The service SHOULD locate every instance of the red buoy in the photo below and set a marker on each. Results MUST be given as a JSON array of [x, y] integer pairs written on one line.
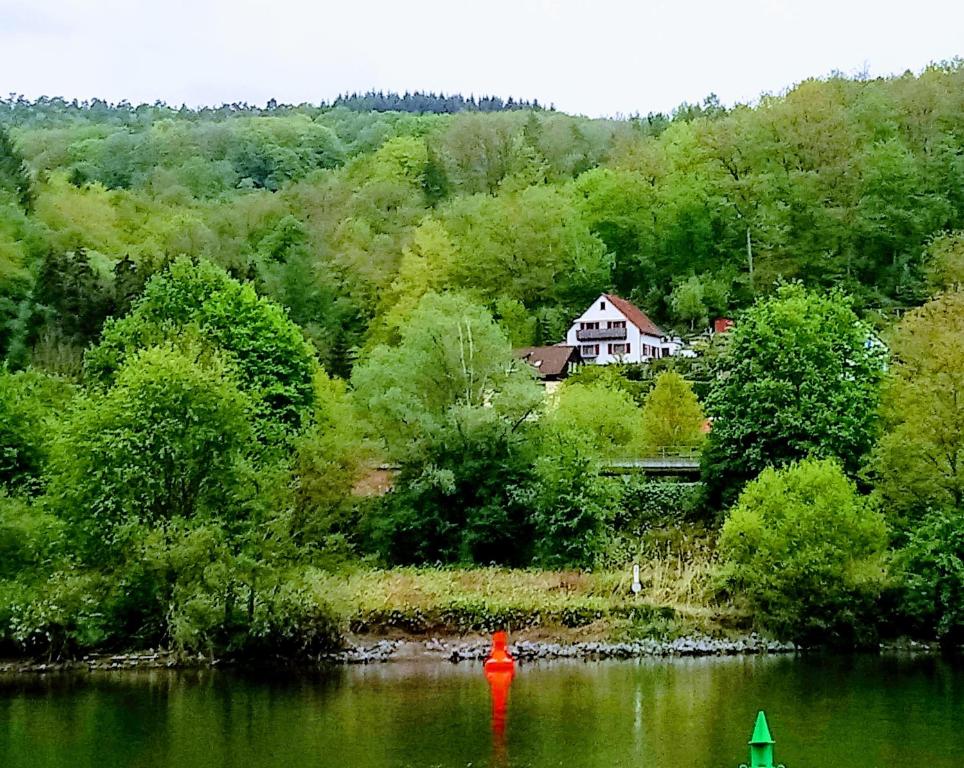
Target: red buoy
[[499, 658]]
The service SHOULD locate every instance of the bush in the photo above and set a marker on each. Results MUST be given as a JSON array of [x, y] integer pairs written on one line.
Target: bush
[[571, 503], [806, 553], [932, 564], [646, 503]]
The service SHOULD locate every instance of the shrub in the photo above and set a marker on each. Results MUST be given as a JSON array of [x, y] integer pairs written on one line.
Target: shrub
[[647, 503], [806, 553], [571, 503], [932, 564]]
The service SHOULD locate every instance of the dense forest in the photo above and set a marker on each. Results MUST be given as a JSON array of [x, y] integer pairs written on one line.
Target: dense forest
[[214, 321]]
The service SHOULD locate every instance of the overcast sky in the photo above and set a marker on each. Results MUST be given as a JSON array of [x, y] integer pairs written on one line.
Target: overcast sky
[[599, 57]]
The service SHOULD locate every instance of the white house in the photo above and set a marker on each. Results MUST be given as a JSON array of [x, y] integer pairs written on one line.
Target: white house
[[614, 330]]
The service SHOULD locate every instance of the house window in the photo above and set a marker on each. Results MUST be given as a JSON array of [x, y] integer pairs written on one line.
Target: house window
[[647, 350], [589, 350], [617, 323], [602, 304], [619, 349], [589, 326]]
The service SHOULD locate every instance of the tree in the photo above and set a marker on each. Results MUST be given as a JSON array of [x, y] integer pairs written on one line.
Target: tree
[[932, 567], [14, 174], [687, 301], [610, 423], [918, 463], [452, 360], [72, 299], [163, 443], [30, 402], [570, 502], [806, 553], [672, 416], [800, 377], [274, 362], [329, 454], [945, 262], [451, 405]]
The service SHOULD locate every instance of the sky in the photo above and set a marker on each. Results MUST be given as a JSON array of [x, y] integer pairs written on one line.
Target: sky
[[599, 57]]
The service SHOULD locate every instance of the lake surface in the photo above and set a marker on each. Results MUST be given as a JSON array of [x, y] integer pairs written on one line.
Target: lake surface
[[690, 713]]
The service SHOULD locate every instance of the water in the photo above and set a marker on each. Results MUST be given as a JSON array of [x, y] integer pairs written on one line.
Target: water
[[824, 712]]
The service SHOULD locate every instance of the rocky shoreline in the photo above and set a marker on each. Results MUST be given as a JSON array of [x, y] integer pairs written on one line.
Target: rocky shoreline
[[445, 650], [527, 650]]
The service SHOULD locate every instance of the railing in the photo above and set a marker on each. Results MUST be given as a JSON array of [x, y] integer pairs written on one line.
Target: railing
[[665, 460], [672, 452], [600, 334]]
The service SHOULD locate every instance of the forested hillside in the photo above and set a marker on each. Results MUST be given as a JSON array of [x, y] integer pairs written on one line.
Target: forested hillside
[[215, 324], [348, 217]]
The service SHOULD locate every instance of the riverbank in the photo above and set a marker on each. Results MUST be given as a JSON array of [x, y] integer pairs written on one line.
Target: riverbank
[[453, 650]]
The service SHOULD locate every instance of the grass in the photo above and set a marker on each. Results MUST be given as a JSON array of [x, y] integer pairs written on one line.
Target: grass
[[676, 598]]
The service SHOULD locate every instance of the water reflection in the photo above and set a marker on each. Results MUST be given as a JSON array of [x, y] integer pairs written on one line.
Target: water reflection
[[882, 712], [499, 682]]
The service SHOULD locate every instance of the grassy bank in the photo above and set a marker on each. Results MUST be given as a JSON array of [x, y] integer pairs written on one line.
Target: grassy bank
[[676, 598]]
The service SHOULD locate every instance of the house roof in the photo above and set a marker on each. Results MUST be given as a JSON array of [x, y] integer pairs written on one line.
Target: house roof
[[635, 315], [548, 361]]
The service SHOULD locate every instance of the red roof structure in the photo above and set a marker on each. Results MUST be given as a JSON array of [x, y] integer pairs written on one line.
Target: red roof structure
[[635, 315]]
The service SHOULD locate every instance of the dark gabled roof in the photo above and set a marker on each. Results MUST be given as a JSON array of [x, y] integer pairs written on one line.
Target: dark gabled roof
[[635, 315], [548, 361]]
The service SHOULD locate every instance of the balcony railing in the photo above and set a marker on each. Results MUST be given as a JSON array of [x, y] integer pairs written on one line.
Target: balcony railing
[[600, 334]]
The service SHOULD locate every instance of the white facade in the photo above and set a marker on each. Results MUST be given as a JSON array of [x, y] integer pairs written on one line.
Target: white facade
[[609, 332]]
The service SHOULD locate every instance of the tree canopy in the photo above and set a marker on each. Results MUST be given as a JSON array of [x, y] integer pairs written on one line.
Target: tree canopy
[[799, 378]]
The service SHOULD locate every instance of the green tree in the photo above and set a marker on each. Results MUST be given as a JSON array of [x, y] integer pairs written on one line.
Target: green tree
[[451, 361], [918, 463], [31, 402], [945, 262], [607, 418], [451, 404], [932, 567], [806, 553], [688, 302], [164, 442], [571, 503], [14, 174], [800, 377], [329, 454], [672, 416], [275, 364]]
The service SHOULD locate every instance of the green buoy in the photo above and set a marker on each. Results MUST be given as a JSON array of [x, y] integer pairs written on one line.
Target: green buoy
[[761, 744]]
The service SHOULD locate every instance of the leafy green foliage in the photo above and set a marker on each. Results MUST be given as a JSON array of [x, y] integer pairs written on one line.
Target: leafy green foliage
[[451, 364], [607, 419], [672, 417], [806, 553], [29, 401], [945, 264], [328, 459], [189, 230], [273, 362], [918, 463], [163, 442], [14, 174], [571, 503], [932, 565], [799, 377]]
